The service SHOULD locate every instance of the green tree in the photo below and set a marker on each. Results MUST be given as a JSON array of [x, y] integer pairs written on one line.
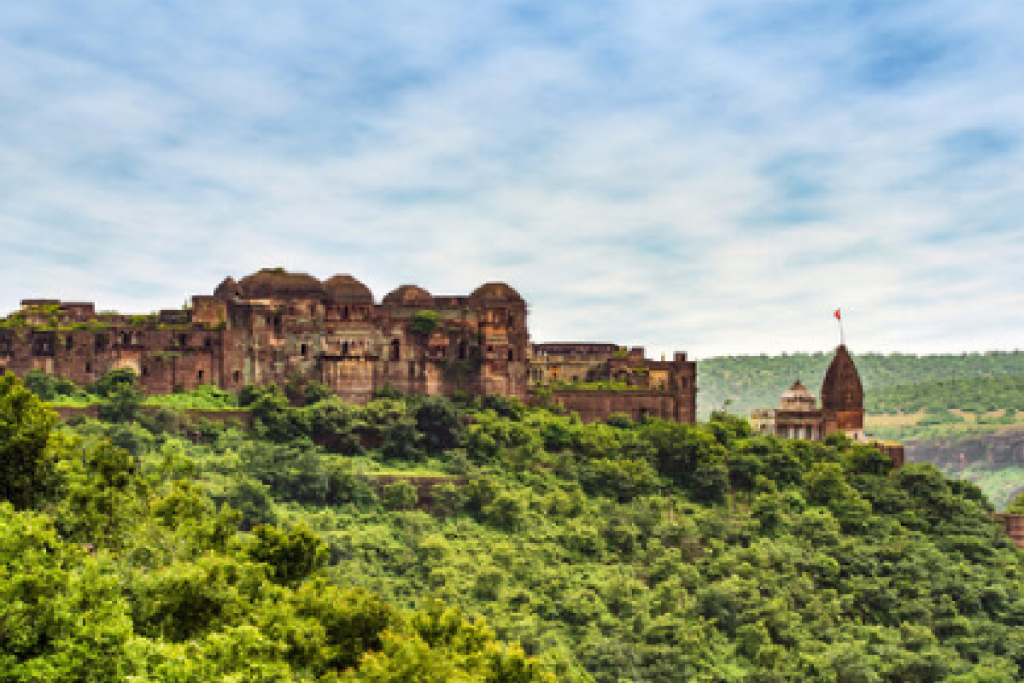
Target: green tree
[[691, 457], [42, 384], [104, 496], [28, 456], [62, 614], [439, 423], [400, 495], [424, 323], [293, 555], [121, 395]]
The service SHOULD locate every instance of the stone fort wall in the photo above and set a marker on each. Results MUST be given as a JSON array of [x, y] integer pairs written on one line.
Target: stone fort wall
[[275, 326]]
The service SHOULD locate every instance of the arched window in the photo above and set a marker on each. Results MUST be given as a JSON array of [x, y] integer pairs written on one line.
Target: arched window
[[511, 353], [462, 350], [396, 348]]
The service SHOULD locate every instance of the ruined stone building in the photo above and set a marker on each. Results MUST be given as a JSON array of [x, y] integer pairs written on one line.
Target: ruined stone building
[[273, 326], [598, 379]]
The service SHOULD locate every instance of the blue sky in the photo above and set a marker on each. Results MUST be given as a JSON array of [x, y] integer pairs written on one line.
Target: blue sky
[[711, 176]]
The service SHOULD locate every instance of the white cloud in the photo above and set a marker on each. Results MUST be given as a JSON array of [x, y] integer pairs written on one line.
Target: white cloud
[[708, 177]]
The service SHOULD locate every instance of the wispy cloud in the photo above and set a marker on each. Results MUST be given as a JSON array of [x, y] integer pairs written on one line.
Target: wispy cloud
[[711, 176]]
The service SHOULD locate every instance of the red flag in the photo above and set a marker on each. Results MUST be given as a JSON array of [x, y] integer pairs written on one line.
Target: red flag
[[838, 317]]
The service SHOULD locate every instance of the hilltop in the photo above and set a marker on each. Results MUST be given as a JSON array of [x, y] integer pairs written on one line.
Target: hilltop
[[642, 551]]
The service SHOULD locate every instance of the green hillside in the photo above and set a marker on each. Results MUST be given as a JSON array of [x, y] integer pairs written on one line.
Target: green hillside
[[614, 552]]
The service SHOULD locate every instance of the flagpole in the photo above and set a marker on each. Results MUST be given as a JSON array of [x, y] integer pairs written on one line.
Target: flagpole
[[839, 319]]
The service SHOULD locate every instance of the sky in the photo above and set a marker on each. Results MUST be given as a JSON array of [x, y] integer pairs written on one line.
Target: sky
[[710, 176]]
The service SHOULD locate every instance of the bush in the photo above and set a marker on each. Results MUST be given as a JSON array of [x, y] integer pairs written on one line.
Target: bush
[[439, 423], [42, 384], [424, 323], [400, 495]]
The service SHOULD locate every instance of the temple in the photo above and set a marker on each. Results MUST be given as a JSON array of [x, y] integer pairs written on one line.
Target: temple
[[798, 415], [276, 326], [842, 409]]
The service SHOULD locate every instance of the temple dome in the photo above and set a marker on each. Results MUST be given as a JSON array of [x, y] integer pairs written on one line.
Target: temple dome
[[496, 291], [798, 397], [275, 283], [227, 289], [842, 389], [347, 289], [409, 295]]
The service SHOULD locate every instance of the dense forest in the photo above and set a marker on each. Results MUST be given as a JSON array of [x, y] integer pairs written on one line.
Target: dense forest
[[145, 547]]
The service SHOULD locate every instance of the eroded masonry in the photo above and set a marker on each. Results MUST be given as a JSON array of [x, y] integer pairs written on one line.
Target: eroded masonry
[[273, 326]]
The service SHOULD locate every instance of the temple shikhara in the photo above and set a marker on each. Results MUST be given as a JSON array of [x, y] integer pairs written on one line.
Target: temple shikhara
[[274, 326]]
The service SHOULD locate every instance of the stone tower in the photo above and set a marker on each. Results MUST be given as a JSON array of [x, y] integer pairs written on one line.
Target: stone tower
[[842, 396]]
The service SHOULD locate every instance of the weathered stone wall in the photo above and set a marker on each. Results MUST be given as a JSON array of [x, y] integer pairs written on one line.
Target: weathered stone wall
[[597, 405], [272, 327], [1014, 527]]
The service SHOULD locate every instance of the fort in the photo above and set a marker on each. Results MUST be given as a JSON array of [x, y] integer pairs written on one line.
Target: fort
[[274, 326]]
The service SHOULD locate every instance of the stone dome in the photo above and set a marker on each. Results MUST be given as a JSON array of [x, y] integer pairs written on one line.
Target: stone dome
[[798, 397], [496, 291], [228, 289], [277, 283], [348, 290], [409, 295]]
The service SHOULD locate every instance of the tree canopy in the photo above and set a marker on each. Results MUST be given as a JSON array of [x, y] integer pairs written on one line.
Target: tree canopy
[[417, 539]]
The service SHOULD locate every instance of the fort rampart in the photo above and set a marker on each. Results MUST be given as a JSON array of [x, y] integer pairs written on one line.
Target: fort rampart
[[274, 327]]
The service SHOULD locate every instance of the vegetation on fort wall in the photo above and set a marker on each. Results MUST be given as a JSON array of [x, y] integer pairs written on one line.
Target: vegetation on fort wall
[[205, 397], [610, 385], [619, 552], [424, 323], [64, 393]]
